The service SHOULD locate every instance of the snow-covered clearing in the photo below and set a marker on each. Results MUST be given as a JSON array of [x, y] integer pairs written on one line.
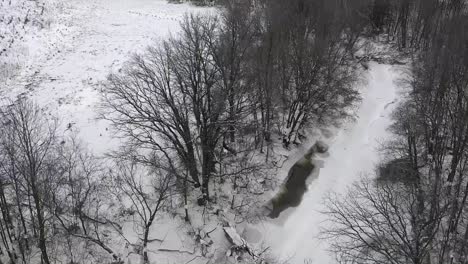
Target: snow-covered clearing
[[353, 152], [63, 71]]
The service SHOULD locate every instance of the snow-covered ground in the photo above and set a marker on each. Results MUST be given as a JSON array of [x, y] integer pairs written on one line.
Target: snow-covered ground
[[68, 60], [354, 151], [64, 69]]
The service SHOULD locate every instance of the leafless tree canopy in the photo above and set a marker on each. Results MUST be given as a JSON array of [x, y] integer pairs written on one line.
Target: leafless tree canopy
[[421, 215], [200, 113], [257, 71]]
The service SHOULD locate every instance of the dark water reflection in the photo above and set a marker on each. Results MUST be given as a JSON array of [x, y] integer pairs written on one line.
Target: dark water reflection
[[294, 186]]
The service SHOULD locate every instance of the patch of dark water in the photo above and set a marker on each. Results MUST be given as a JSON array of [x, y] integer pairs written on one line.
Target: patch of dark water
[[295, 185]]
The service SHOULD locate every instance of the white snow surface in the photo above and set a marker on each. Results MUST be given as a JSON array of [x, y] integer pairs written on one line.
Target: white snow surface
[[85, 41], [354, 152]]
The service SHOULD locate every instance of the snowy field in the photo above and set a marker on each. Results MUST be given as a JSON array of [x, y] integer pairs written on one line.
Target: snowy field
[[66, 62]]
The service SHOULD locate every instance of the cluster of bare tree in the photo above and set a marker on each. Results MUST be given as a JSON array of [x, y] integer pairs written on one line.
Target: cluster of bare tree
[[413, 24], [196, 110], [229, 85], [61, 204], [200, 108], [50, 190], [417, 211]]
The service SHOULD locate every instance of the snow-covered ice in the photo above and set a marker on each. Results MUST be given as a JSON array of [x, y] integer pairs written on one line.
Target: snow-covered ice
[[353, 152]]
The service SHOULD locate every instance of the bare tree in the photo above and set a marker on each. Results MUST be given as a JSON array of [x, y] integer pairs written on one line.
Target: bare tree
[[231, 49], [144, 191], [80, 203], [380, 223], [30, 139], [170, 99]]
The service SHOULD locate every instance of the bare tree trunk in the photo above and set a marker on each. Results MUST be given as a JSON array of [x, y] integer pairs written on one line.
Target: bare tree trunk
[[186, 218], [40, 222]]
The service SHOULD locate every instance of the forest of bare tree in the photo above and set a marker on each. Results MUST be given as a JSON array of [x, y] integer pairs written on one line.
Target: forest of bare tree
[[199, 113], [416, 211]]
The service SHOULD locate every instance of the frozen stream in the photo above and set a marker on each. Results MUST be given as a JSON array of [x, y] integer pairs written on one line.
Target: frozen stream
[[353, 152]]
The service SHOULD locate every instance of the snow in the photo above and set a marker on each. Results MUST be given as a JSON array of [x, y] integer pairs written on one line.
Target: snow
[[62, 67], [353, 152], [64, 64], [65, 72], [235, 238]]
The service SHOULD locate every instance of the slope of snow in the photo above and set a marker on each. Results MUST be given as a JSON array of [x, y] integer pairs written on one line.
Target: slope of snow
[[25, 26], [353, 152]]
